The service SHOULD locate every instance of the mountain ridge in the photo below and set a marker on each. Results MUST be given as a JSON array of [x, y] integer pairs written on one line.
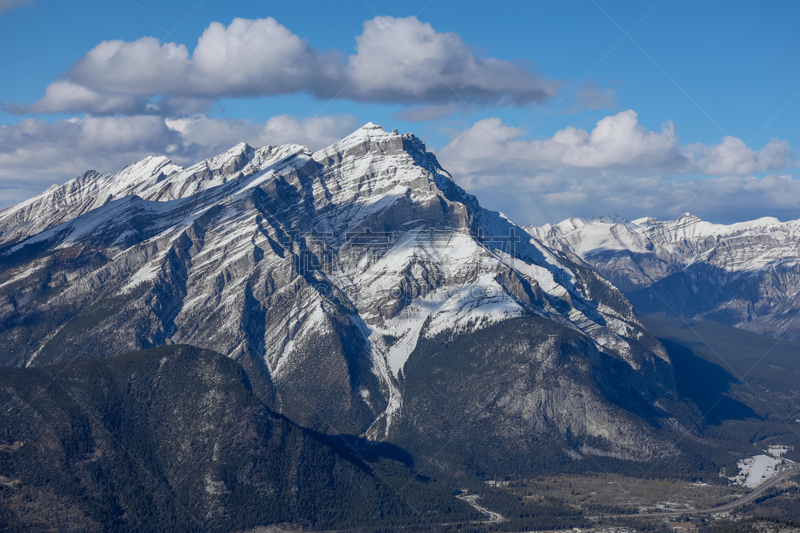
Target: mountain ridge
[[744, 274], [154, 178], [322, 273]]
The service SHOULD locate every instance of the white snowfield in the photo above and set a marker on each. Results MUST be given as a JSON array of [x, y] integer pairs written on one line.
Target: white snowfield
[[444, 265], [754, 471]]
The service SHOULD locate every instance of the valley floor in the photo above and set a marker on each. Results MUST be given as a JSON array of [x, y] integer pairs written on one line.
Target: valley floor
[[613, 503], [660, 504]]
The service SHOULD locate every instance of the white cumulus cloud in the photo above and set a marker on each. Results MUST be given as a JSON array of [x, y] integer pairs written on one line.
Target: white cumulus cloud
[[619, 167], [397, 60], [617, 142], [732, 156], [405, 60]]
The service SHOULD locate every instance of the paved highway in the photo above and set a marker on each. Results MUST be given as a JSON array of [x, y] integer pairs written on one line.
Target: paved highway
[[785, 472], [472, 499]]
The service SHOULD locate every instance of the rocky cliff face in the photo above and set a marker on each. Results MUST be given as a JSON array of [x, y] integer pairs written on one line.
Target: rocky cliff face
[[325, 274], [744, 274]]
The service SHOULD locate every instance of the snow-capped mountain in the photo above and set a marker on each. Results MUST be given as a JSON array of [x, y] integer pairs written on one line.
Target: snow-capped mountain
[[152, 178], [744, 274], [328, 275]]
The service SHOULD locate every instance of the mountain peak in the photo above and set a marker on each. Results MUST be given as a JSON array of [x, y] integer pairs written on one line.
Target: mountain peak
[[688, 216], [138, 174], [241, 147], [365, 139], [235, 158], [370, 130], [371, 126]]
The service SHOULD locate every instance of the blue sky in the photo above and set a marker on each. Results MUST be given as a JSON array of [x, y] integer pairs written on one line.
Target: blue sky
[[696, 104]]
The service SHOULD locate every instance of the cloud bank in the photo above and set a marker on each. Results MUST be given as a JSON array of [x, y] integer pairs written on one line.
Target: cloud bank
[[397, 60], [620, 167]]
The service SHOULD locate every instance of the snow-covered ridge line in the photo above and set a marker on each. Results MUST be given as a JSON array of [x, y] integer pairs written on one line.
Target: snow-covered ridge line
[[154, 178], [157, 178], [686, 239]]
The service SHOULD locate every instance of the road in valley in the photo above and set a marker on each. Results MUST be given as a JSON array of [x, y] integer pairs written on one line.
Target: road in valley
[[784, 473], [472, 499]]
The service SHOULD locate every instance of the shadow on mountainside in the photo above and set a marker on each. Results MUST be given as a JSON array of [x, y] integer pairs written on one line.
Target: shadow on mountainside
[[707, 385]]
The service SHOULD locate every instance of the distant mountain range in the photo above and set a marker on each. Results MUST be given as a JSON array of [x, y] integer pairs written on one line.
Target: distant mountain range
[[745, 274]]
